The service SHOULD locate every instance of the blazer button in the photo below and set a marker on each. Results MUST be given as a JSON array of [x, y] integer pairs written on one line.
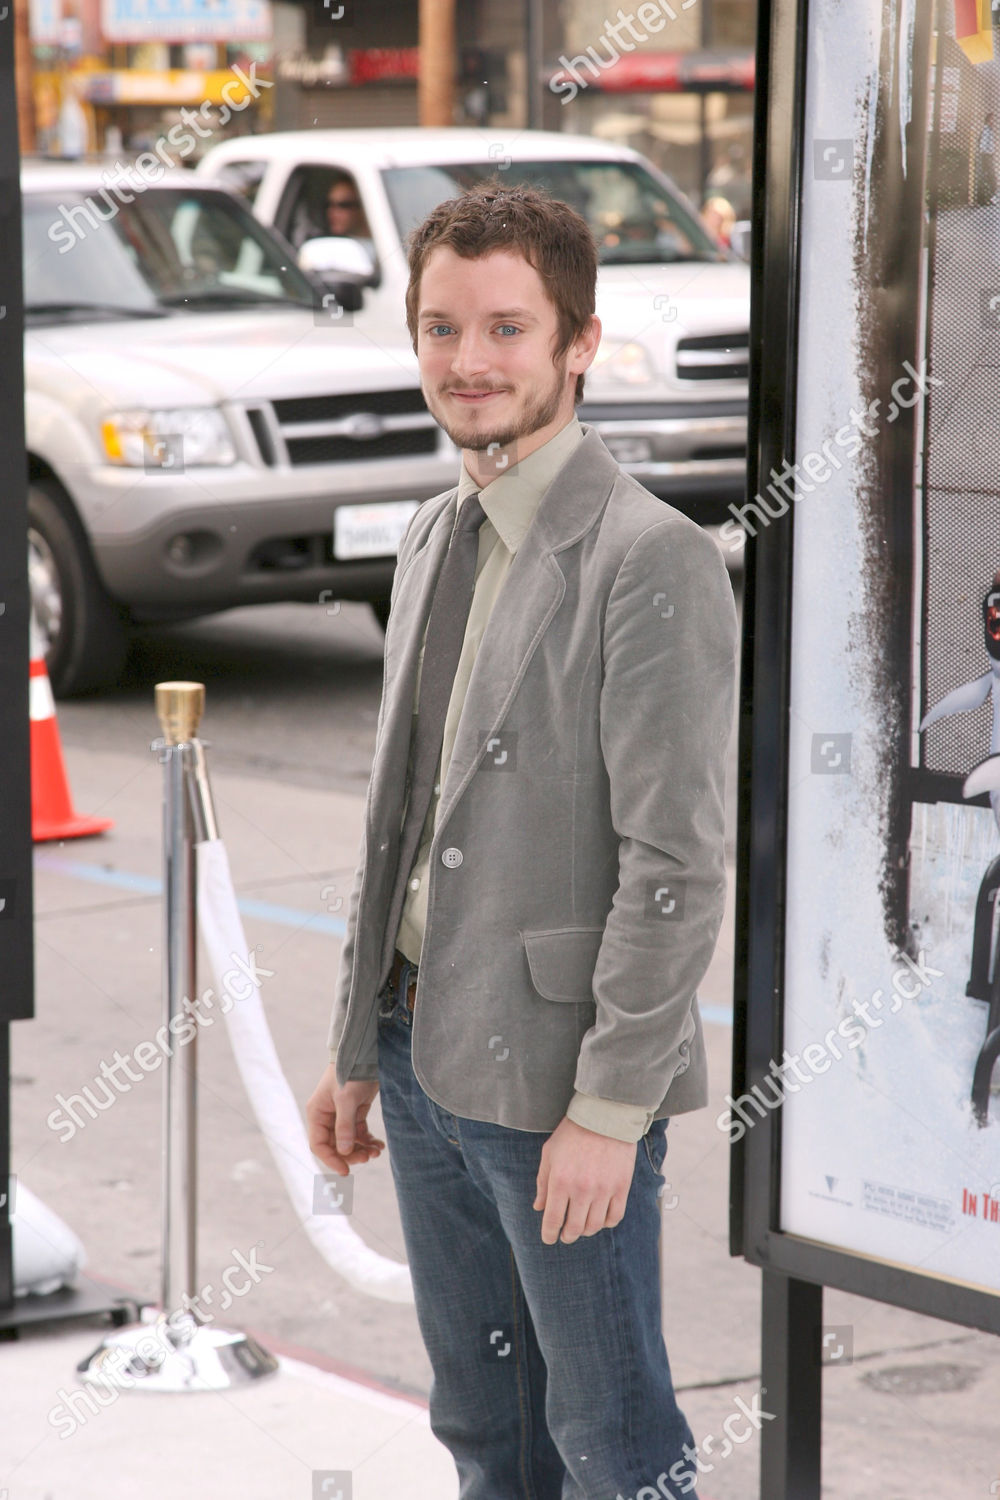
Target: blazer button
[[452, 858]]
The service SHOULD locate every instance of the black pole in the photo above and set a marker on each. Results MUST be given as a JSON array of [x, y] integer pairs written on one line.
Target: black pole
[[791, 1388], [16, 972], [704, 144], [6, 1238]]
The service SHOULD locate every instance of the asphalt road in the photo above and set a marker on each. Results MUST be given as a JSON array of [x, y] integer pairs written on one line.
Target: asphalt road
[[292, 691]]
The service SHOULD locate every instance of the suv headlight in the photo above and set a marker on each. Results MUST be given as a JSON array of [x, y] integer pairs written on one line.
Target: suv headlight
[[173, 439], [622, 364]]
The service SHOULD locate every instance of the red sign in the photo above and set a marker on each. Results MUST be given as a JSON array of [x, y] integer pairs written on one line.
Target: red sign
[[664, 72], [376, 64]]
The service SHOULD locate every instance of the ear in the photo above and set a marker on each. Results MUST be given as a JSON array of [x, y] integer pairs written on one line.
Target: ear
[[584, 348]]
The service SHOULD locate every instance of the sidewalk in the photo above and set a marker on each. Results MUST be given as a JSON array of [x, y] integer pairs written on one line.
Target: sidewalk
[[258, 1442], [914, 1413]]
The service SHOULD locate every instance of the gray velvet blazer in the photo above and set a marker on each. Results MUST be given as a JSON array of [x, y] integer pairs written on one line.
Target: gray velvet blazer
[[577, 873]]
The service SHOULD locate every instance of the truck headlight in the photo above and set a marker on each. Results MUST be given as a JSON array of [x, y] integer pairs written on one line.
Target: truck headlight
[[179, 438], [622, 364]]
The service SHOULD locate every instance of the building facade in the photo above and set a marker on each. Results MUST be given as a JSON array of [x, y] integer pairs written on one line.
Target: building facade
[[673, 78]]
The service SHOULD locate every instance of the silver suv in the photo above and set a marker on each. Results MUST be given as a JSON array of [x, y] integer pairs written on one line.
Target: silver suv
[[204, 429]]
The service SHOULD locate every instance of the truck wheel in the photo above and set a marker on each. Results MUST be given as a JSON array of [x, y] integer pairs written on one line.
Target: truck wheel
[[380, 609], [83, 630]]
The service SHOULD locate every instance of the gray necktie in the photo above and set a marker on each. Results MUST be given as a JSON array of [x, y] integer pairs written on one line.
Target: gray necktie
[[445, 633]]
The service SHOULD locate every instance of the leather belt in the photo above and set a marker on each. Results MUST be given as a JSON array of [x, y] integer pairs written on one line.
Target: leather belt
[[395, 974]]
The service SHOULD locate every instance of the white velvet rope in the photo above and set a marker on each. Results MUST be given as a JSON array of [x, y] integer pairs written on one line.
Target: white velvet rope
[[273, 1103]]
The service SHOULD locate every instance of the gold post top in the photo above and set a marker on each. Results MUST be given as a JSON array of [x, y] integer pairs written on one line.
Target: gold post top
[[179, 707]]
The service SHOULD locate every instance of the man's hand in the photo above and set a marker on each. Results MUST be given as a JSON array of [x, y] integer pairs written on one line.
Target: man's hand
[[338, 1122], [584, 1178]]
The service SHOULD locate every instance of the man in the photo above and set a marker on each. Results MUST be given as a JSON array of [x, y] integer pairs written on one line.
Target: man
[[521, 987]]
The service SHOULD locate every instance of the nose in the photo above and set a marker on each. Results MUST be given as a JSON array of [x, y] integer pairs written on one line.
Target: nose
[[471, 355]]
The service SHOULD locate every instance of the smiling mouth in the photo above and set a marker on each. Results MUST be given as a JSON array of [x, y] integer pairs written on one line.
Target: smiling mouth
[[473, 396]]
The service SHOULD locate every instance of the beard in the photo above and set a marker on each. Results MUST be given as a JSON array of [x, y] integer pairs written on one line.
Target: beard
[[538, 411]]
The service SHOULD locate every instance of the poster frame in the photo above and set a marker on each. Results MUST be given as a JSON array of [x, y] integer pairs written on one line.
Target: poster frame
[[780, 155]]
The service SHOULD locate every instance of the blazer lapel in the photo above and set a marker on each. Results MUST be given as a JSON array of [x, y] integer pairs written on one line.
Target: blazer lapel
[[529, 597], [410, 610], [526, 603]]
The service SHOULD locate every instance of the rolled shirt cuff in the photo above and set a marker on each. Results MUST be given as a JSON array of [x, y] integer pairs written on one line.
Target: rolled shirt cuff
[[624, 1122], [360, 1073]]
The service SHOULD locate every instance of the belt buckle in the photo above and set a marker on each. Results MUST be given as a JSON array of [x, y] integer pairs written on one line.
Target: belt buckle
[[411, 984]]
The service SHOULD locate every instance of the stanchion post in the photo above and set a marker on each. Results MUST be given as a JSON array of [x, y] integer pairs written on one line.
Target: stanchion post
[[176, 1352], [179, 707]]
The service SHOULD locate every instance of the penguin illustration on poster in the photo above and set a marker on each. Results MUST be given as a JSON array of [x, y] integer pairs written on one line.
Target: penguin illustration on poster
[[984, 978]]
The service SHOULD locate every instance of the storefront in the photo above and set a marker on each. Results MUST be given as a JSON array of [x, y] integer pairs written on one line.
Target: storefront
[[117, 74]]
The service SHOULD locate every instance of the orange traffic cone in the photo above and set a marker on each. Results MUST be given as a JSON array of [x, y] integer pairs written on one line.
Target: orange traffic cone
[[52, 815]]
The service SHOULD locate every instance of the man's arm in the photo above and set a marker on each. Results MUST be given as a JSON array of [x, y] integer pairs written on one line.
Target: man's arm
[[666, 714], [670, 647]]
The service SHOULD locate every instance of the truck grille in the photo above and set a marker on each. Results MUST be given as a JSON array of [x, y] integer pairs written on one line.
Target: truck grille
[[346, 429], [714, 356]]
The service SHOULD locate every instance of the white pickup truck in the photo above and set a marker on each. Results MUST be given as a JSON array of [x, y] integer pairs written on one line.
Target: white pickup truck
[[668, 391]]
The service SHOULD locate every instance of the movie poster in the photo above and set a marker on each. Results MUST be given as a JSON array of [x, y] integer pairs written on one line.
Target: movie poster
[[890, 1078]]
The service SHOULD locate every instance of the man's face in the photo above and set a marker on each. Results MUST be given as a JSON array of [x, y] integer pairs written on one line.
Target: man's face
[[485, 338]]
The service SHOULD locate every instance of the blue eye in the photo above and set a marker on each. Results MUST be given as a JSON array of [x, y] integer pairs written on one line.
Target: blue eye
[[511, 326], [435, 326]]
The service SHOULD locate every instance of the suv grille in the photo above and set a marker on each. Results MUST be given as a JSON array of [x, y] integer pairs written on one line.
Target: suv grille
[[349, 429], [714, 356]]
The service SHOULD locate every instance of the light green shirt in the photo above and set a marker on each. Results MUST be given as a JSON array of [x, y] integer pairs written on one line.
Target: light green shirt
[[509, 502]]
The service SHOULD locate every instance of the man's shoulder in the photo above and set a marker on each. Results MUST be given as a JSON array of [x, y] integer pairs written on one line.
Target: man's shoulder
[[633, 512], [619, 510]]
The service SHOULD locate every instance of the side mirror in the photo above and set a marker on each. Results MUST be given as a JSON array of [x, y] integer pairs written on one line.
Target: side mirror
[[337, 255], [347, 292]]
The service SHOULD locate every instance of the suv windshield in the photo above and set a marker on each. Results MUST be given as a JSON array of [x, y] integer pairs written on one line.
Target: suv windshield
[[168, 248], [635, 219]]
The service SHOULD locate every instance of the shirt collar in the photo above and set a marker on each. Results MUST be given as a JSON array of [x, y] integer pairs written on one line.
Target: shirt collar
[[511, 500]]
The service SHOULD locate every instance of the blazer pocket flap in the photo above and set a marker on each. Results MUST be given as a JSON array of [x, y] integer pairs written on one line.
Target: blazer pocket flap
[[562, 961]]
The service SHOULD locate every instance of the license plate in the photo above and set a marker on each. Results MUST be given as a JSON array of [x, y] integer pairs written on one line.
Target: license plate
[[371, 530], [630, 450]]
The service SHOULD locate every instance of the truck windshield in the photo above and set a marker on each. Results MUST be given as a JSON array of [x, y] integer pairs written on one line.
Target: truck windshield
[[634, 217], [168, 248]]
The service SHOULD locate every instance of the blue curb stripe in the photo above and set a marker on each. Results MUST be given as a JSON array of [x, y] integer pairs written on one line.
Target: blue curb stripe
[[147, 885]]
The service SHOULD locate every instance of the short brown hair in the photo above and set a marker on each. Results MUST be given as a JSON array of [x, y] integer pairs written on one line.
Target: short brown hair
[[552, 237]]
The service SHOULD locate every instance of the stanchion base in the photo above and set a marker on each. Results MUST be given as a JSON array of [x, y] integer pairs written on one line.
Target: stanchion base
[[176, 1354]]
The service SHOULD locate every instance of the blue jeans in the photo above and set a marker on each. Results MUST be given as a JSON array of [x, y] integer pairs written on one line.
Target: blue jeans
[[551, 1379]]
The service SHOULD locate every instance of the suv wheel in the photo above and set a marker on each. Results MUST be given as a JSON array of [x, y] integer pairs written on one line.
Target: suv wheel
[[83, 630]]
